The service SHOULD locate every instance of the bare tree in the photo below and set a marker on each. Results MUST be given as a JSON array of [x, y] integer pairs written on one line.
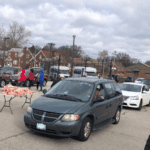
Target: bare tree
[[18, 35]]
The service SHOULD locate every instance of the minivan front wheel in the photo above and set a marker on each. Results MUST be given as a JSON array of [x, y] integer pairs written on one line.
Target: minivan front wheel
[[117, 116], [85, 130]]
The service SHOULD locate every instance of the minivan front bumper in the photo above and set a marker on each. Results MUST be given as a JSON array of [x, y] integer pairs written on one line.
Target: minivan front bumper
[[58, 128]]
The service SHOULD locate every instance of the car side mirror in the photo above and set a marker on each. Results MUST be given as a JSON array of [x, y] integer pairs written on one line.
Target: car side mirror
[[44, 91]]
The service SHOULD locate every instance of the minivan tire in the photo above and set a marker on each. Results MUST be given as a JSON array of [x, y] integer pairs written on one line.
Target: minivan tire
[[2, 83], [117, 116], [86, 125]]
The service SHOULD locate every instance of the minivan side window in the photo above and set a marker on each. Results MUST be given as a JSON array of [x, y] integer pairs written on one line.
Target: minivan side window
[[77, 71], [110, 90]]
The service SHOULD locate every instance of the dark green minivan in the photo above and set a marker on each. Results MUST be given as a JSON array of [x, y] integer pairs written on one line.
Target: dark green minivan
[[75, 107]]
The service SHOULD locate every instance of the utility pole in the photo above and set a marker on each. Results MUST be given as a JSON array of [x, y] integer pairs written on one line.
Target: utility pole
[[103, 67], [4, 49], [50, 44], [34, 54], [72, 56], [110, 67], [58, 65]]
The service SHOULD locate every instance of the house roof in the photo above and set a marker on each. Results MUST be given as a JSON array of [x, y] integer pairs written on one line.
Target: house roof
[[118, 64], [19, 50], [146, 65]]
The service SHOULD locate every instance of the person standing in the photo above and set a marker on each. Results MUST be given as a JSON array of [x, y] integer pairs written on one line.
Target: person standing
[[41, 79], [31, 78], [38, 82], [22, 77], [61, 77]]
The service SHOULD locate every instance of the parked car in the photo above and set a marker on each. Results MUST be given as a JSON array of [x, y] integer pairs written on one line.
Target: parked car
[[145, 81], [128, 79], [8, 70], [15, 78], [135, 95], [70, 108], [138, 80], [4, 79]]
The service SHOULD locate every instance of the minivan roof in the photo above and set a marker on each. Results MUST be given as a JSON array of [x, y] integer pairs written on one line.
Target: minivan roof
[[91, 80]]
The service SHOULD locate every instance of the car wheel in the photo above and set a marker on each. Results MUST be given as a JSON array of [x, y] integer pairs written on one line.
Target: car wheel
[[44, 83], [2, 83], [27, 83], [140, 106], [85, 130], [117, 116]]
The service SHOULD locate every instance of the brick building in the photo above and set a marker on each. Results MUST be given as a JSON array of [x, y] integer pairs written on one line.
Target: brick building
[[18, 58], [138, 71]]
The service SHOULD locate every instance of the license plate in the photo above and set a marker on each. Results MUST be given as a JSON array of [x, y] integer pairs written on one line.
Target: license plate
[[13, 80], [41, 126]]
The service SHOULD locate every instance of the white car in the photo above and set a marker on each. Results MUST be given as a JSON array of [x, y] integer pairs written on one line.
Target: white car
[[138, 80], [135, 95]]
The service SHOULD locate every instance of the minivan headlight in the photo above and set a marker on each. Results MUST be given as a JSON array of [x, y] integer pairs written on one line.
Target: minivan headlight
[[70, 117], [29, 110], [134, 97]]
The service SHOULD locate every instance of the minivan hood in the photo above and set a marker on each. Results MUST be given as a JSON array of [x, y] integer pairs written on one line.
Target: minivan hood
[[56, 105], [128, 93]]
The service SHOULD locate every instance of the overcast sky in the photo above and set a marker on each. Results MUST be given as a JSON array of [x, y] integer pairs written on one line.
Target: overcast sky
[[121, 25]]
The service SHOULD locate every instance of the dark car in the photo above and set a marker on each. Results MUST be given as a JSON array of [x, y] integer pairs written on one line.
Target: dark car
[[15, 78], [70, 108]]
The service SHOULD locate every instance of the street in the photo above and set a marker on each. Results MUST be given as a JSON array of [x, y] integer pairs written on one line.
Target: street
[[130, 134]]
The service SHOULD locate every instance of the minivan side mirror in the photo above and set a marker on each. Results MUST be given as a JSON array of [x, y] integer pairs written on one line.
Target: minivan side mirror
[[44, 91], [99, 99]]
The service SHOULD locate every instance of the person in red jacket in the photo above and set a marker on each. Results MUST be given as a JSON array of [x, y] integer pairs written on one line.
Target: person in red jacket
[[22, 77], [31, 78]]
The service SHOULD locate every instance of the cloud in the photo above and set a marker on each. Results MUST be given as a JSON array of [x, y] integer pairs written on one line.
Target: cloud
[[111, 25]]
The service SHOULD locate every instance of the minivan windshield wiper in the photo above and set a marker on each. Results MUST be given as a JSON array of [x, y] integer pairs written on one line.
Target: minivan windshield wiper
[[64, 96]]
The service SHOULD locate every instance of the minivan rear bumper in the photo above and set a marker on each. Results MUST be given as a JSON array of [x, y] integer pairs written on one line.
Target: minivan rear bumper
[[58, 128]]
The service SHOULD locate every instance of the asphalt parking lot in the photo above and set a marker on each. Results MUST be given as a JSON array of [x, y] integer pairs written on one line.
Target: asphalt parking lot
[[130, 134]]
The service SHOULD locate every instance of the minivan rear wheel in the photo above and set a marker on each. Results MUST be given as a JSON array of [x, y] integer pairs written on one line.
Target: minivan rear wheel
[[85, 130]]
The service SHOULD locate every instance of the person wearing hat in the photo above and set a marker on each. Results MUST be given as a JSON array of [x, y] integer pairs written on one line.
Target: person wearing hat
[[61, 77]]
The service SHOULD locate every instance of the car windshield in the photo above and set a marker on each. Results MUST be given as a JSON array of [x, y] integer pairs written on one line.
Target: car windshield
[[7, 68], [71, 90], [147, 82], [130, 87], [63, 71], [26, 72], [91, 74], [139, 79]]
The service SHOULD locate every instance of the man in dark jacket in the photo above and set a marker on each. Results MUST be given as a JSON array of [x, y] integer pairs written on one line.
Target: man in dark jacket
[[61, 77], [147, 146]]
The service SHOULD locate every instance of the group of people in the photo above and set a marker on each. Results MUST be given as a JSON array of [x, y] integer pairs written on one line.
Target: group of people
[[40, 78]]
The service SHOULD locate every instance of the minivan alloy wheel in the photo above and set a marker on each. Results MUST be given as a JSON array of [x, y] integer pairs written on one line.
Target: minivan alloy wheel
[[87, 129], [117, 115]]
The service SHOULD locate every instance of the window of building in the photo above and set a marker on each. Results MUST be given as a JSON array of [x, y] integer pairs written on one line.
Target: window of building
[[8, 62], [21, 61], [40, 57], [15, 54], [129, 71], [15, 62], [27, 62], [9, 54], [41, 64], [27, 55]]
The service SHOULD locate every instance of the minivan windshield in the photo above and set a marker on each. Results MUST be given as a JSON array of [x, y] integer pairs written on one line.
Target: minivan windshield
[[130, 87], [145, 81], [71, 90]]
